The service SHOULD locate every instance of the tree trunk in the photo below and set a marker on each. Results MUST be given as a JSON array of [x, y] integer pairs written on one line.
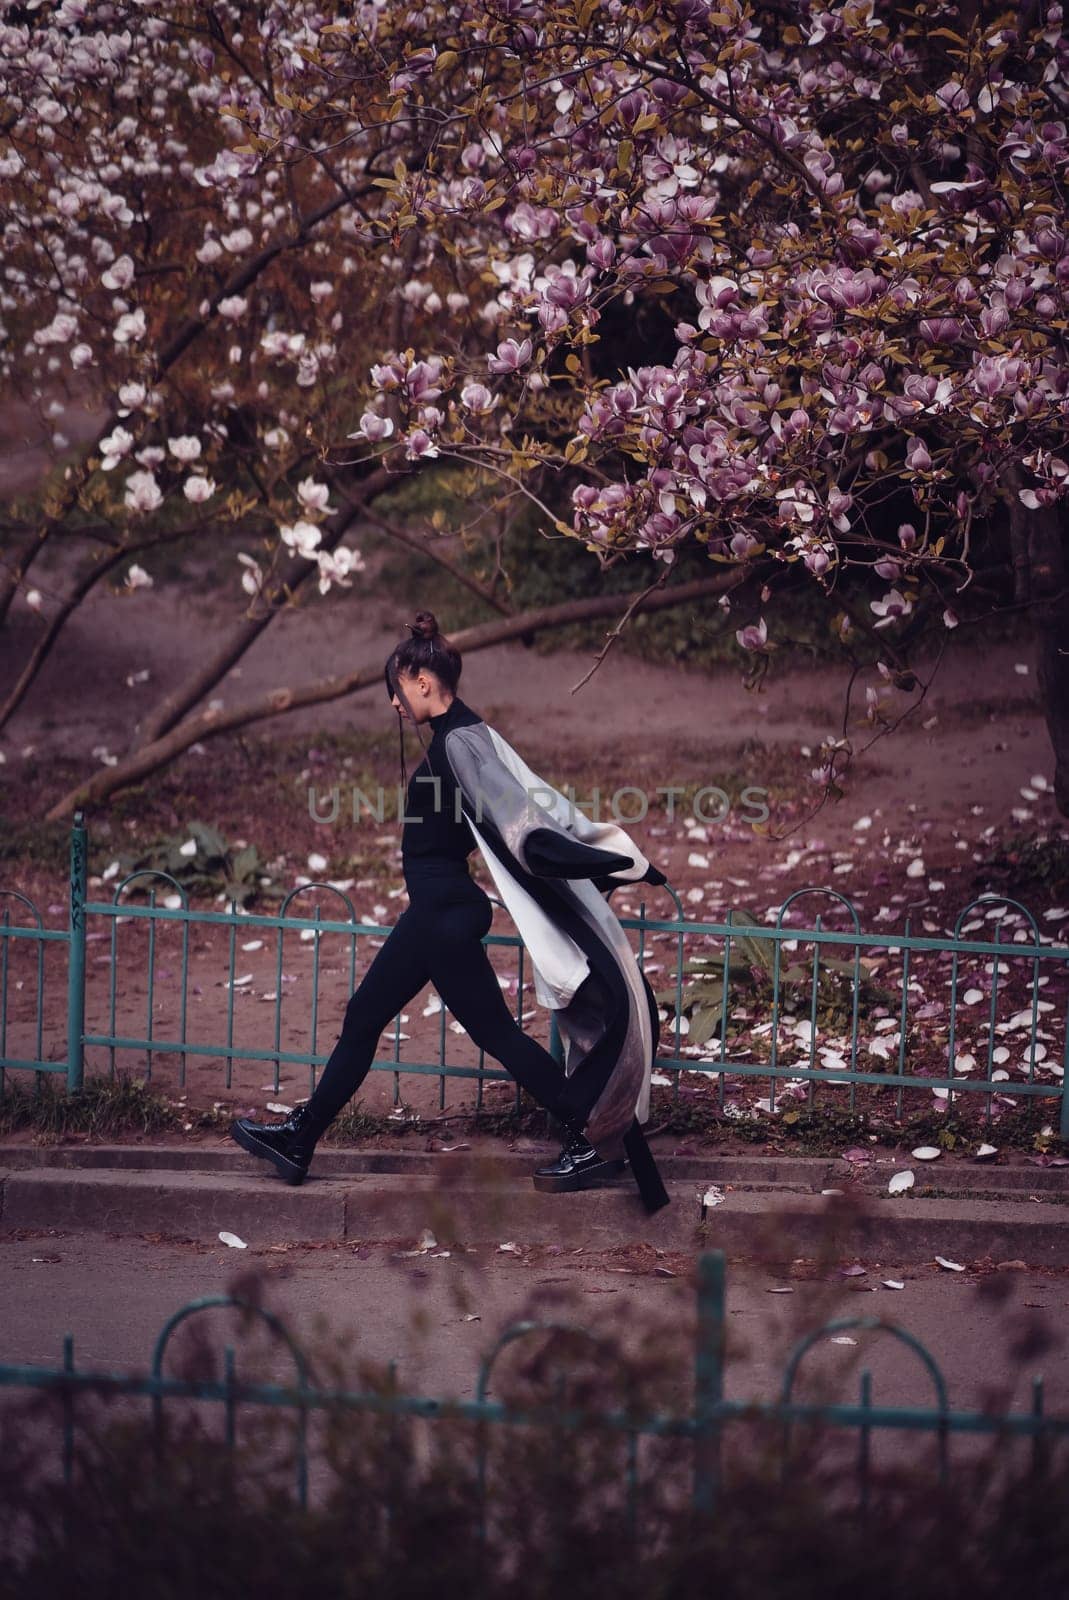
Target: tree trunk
[[1048, 539], [1039, 543], [209, 724]]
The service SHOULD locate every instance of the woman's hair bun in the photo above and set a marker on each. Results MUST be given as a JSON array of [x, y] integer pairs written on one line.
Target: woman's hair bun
[[425, 625], [425, 650]]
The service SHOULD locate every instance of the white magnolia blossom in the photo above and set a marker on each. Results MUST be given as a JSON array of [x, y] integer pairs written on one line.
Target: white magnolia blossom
[[282, 344], [120, 275], [302, 537], [130, 326], [138, 578], [252, 578], [33, 599], [185, 448], [117, 444], [142, 492], [198, 488], [240, 239], [233, 306], [307, 369], [334, 567], [131, 396], [82, 356], [209, 251], [276, 438], [60, 330], [321, 291], [313, 496]]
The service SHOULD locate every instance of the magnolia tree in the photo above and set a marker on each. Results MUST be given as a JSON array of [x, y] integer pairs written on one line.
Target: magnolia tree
[[218, 306], [781, 284]]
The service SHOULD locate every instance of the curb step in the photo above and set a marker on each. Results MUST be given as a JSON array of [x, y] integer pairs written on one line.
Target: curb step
[[773, 1225], [802, 1174]]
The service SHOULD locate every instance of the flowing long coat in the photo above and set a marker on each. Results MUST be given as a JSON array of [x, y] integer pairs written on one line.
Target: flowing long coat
[[553, 867]]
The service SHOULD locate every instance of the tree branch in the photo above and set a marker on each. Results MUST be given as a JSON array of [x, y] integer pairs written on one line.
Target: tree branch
[[210, 724], [73, 600], [169, 711]]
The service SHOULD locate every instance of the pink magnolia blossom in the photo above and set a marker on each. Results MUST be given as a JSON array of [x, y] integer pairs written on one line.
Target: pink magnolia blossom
[[511, 356], [477, 398], [373, 427], [754, 636], [419, 446], [891, 607]]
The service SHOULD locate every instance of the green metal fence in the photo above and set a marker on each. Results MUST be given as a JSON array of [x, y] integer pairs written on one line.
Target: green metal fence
[[703, 1425], [841, 1008]]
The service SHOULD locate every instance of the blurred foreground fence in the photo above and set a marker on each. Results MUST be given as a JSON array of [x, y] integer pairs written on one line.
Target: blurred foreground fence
[[699, 1429], [983, 1009]]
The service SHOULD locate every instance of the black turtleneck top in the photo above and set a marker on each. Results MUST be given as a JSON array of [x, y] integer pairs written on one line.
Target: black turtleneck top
[[435, 829]]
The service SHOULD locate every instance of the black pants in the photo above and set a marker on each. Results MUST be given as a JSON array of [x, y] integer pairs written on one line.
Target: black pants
[[437, 939]]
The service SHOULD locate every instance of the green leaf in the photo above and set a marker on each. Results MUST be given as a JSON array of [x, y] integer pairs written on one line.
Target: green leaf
[[210, 843], [704, 1023], [245, 863]]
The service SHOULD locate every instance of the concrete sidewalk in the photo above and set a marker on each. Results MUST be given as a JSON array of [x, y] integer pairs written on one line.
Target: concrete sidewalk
[[768, 1208]]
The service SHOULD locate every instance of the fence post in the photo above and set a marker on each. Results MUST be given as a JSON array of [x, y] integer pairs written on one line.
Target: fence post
[[76, 957], [708, 1380]]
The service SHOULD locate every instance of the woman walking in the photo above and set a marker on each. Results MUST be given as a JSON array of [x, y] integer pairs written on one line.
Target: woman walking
[[554, 868]]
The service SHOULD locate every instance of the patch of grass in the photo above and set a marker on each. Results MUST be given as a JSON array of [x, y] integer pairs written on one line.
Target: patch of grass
[[354, 1125], [824, 1131], [1037, 862], [828, 1130], [1022, 1128], [30, 842], [102, 1108]]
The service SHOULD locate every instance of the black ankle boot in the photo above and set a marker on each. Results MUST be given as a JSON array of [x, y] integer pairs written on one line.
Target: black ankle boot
[[288, 1144], [577, 1167]]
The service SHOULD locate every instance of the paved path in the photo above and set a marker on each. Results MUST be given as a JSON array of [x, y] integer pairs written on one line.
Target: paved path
[[988, 1331]]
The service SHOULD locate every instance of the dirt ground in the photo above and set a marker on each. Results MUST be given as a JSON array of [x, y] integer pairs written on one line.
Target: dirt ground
[[927, 811]]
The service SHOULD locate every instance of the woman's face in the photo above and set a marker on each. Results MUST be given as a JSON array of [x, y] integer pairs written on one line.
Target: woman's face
[[419, 690]]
